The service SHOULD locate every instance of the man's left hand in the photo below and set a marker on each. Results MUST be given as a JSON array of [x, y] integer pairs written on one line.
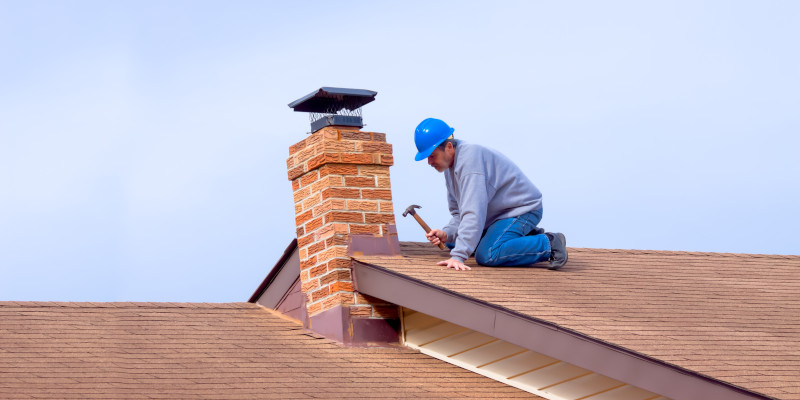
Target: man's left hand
[[454, 264]]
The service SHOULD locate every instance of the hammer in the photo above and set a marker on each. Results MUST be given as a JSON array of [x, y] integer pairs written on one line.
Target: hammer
[[410, 210]]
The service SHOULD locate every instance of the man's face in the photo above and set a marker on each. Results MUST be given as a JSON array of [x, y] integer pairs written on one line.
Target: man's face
[[442, 159]]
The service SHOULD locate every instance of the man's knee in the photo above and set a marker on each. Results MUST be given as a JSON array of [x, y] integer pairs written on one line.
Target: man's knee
[[486, 259]]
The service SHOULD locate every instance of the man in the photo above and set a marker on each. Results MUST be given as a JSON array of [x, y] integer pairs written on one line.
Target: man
[[495, 207]]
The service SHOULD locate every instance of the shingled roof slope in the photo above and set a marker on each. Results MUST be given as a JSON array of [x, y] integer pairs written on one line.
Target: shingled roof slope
[[731, 317], [205, 351]]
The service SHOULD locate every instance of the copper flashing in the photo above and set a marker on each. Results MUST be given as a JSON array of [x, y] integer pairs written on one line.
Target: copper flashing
[[337, 324], [544, 337], [374, 245]]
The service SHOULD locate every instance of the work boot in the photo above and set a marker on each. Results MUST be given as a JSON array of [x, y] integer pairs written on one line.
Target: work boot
[[558, 250], [535, 231]]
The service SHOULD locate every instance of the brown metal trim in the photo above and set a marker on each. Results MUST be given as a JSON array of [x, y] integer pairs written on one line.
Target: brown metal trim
[[544, 337], [363, 244], [337, 324], [273, 273]]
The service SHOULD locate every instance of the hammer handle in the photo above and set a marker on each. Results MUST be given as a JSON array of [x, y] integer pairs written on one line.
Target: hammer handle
[[427, 229]]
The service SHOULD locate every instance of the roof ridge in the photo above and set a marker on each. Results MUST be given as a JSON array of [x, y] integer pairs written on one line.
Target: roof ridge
[[684, 252], [661, 252]]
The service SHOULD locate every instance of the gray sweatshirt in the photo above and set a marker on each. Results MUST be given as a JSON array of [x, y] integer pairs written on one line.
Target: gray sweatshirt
[[483, 186]]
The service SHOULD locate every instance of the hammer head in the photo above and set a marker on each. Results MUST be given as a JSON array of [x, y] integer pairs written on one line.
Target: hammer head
[[410, 210]]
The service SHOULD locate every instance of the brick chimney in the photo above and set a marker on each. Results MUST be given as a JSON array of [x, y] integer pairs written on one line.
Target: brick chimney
[[343, 199]]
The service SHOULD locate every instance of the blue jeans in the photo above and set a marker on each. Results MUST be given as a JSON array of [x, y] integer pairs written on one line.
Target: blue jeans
[[505, 244]]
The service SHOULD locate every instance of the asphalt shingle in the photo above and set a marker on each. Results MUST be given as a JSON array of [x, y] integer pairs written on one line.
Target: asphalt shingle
[[205, 351]]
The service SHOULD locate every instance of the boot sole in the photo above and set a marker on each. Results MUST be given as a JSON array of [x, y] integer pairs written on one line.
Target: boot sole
[[563, 240]]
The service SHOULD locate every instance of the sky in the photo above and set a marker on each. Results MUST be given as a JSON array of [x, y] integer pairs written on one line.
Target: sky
[[143, 143]]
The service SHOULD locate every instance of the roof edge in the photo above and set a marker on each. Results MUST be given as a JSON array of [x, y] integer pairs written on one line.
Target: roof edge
[[543, 336], [276, 269]]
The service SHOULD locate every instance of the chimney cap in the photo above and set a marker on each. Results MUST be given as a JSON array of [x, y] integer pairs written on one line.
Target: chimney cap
[[330, 100]]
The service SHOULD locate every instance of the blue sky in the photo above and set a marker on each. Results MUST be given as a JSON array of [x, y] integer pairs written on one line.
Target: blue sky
[[143, 143]]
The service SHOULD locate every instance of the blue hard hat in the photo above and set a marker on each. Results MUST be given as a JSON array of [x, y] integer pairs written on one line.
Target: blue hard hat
[[430, 133]]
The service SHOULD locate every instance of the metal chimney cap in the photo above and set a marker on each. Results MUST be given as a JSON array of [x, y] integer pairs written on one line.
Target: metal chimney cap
[[329, 100]]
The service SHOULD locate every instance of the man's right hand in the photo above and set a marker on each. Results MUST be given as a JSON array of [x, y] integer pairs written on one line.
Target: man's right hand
[[436, 236]]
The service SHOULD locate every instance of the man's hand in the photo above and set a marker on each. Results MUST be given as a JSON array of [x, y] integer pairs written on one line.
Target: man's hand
[[454, 264], [436, 236]]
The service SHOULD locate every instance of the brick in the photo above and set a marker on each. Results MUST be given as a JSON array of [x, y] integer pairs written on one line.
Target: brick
[[365, 229], [378, 137], [375, 194], [301, 194], [303, 253], [310, 285], [330, 205], [375, 218], [297, 147], [339, 146], [324, 158], [318, 271], [335, 275], [358, 181], [386, 206], [302, 218], [329, 132], [295, 184], [314, 308], [337, 263], [320, 293], [316, 247], [332, 229], [340, 286], [384, 182], [295, 172], [374, 147], [356, 158], [327, 182], [344, 216], [336, 240], [361, 311], [333, 252], [362, 205], [309, 178], [306, 154], [311, 201], [314, 224], [387, 159], [339, 169], [338, 298], [305, 240], [308, 263], [298, 208], [314, 139], [343, 193], [305, 275], [355, 135], [371, 170], [300, 231]]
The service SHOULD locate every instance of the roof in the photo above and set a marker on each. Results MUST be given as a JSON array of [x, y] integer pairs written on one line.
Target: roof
[[731, 318], [203, 350]]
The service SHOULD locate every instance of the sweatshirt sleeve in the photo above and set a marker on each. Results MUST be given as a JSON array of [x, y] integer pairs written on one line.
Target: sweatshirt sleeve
[[474, 201], [451, 229]]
